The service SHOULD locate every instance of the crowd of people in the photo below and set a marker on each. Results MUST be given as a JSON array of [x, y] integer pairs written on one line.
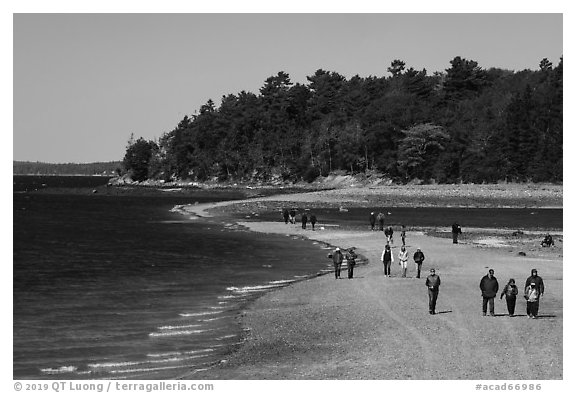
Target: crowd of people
[[489, 287]]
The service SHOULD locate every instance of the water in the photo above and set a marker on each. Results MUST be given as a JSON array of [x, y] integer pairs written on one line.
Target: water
[[120, 287], [115, 285], [437, 217]]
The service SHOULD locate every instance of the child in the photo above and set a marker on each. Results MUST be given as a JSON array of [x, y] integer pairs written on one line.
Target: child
[[510, 290], [532, 297]]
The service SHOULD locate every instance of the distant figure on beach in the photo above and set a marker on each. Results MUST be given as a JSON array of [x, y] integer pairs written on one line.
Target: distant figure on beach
[[286, 215], [433, 284], [548, 241], [313, 220], [293, 216], [418, 259], [510, 291], [380, 218], [387, 258], [389, 232], [337, 259], [304, 220], [533, 291], [489, 288], [351, 261], [456, 230], [403, 260], [372, 220], [403, 235]]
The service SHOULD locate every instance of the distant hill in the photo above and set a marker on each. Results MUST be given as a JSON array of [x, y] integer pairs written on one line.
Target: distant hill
[[41, 168]]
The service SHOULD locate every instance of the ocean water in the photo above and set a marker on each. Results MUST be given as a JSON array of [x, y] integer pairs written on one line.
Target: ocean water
[[533, 219], [122, 287], [119, 286]]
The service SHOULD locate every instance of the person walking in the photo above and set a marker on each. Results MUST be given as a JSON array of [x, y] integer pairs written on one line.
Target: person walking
[[313, 220], [380, 218], [456, 230], [389, 233], [533, 291], [337, 259], [532, 296], [510, 291], [372, 220], [351, 261], [433, 284], [403, 235], [403, 260], [285, 215], [489, 288], [293, 216], [418, 259], [304, 220], [387, 258]]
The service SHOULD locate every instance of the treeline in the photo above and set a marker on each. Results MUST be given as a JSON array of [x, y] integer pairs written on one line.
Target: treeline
[[467, 124], [112, 168]]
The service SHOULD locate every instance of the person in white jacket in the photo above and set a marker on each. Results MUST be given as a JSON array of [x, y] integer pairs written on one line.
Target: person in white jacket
[[403, 260], [387, 258]]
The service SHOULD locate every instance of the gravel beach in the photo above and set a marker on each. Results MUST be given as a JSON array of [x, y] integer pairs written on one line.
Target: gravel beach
[[377, 328]]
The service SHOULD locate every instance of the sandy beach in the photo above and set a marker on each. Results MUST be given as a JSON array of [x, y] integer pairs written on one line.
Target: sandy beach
[[377, 328]]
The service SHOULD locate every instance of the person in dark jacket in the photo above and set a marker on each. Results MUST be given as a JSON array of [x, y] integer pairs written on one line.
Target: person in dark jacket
[[337, 259], [418, 259], [313, 220], [304, 220], [372, 220], [433, 284], [380, 219], [389, 233], [532, 297], [351, 261], [403, 235], [548, 241], [511, 291], [387, 258], [456, 230], [286, 215], [489, 288]]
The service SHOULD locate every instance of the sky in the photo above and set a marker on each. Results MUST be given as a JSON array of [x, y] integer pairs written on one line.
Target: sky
[[84, 82]]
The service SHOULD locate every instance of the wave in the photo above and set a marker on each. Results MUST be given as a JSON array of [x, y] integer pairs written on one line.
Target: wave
[[216, 318], [147, 370], [178, 333], [225, 337], [179, 353], [200, 314], [114, 365], [255, 288], [170, 327], [282, 282], [59, 370]]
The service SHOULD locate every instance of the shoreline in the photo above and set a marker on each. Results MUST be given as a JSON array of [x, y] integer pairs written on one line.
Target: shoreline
[[283, 344]]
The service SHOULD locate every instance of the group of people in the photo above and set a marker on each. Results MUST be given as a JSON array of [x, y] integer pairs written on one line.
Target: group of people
[[338, 258], [387, 258], [548, 241], [533, 289], [533, 292], [290, 216]]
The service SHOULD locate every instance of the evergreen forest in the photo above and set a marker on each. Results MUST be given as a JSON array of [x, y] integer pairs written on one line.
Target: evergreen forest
[[467, 124]]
